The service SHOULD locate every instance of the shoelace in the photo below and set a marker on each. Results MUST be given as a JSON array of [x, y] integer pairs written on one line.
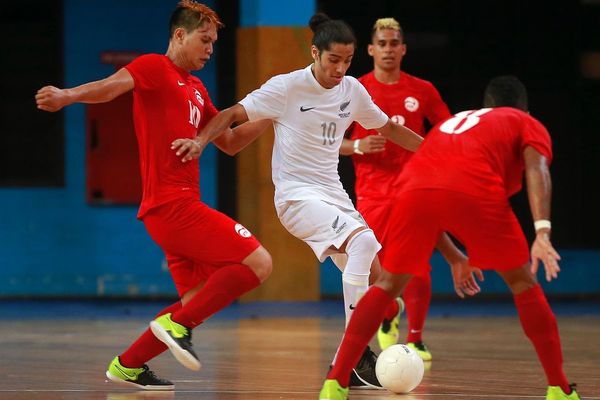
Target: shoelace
[[149, 372], [187, 339]]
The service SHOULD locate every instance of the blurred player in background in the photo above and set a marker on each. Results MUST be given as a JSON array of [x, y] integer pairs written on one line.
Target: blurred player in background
[[212, 258], [408, 101], [460, 181]]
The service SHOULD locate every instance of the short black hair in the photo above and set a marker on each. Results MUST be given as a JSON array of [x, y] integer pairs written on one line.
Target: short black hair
[[506, 91], [190, 15], [328, 31]]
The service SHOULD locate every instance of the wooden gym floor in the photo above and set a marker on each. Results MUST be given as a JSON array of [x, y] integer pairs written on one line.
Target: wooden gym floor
[[273, 357]]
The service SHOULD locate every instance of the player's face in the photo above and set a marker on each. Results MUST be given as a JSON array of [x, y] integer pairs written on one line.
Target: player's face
[[331, 65], [197, 46], [387, 49]]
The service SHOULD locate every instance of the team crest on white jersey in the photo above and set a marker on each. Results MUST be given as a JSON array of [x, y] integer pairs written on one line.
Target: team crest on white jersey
[[343, 107], [199, 97], [242, 231], [411, 104]]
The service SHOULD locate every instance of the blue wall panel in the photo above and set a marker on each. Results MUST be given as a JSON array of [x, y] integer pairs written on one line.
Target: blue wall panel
[[276, 12], [579, 275], [51, 241]]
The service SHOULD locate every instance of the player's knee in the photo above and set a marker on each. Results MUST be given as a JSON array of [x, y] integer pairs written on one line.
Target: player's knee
[[361, 250], [519, 279], [363, 243], [261, 263], [393, 284]]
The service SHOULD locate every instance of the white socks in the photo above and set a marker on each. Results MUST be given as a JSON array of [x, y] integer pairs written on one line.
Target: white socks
[[361, 250]]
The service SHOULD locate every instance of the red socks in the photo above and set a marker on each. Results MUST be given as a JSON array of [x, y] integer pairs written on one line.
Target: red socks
[[221, 289], [147, 346], [539, 324], [365, 320], [417, 296], [391, 311]]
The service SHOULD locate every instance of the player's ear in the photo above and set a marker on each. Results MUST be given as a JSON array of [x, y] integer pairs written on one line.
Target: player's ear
[[403, 49], [370, 49], [314, 52], [178, 34]]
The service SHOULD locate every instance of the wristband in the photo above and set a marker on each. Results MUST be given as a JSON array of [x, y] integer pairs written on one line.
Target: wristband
[[542, 224], [356, 149]]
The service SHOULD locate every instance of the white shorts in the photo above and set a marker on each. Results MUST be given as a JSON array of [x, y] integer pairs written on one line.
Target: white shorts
[[321, 225]]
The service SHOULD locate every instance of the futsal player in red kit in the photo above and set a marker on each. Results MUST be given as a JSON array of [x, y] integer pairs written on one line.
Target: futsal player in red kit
[[213, 259], [459, 182], [409, 101]]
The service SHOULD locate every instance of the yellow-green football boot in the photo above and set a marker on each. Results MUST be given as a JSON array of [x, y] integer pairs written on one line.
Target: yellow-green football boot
[[556, 393], [178, 338], [421, 350], [388, 333], [141, 378], [333, 391]]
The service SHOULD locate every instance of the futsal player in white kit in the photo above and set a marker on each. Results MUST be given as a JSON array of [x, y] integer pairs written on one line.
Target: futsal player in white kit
[[311, 109]]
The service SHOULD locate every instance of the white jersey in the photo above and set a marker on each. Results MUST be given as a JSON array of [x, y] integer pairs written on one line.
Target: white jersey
[[310, 122]]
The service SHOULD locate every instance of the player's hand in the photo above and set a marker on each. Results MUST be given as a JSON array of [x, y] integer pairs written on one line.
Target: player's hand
[[463, 276], [372, 144], [188, 149], [542, 250], [50, 98]]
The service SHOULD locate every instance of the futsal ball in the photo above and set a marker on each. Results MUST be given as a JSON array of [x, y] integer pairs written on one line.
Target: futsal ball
[[399, 368]]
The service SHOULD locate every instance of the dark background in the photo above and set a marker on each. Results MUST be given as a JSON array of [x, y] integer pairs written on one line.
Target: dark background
[[31, 143]]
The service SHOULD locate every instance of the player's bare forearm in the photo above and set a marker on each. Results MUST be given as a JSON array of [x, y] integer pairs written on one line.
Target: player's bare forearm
[[463, 274], [539, 184], [366, 145], [191, 149], [347, 147], [232, 141], [103, 90], [50, 98], [539, 193], [220, 123], [448, 249], [401, 135]]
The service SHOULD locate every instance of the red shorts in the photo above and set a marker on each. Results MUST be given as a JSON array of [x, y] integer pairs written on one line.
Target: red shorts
[[197, 240], [377, 216], [487, 228]]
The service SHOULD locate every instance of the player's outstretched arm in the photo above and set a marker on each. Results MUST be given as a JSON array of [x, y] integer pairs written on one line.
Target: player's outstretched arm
[[401, 135], [232, 141], [50, 98], [539, 193]]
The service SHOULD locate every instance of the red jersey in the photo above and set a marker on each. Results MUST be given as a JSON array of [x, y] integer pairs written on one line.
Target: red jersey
[[478, 152], [408, 102], [168, 103]]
